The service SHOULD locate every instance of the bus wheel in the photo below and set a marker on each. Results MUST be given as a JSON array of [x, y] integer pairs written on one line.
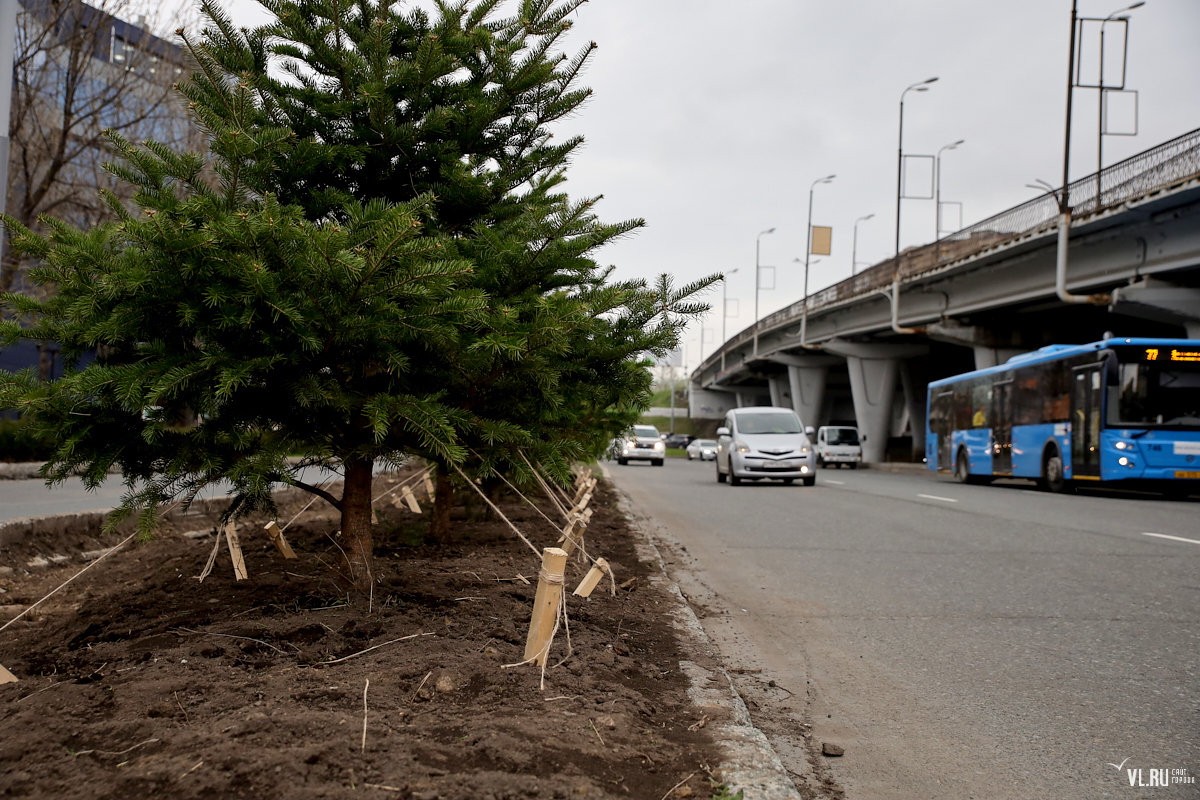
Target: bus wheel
[[1052, 474], [962, 468]]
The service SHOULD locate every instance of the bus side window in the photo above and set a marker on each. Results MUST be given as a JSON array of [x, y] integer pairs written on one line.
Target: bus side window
[[1027, 401], [981, 403], [1056, 392], [962, 406]]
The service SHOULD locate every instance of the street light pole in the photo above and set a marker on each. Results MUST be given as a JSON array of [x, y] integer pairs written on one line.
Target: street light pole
[[1064, 194], [724, 311], [916, 87], [1100, 110], [807, 254], [854, 250], [937, 187], [757, 243]]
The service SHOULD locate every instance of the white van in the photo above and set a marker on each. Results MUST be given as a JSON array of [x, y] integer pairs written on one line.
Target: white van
[[838, 445], [764, 442]]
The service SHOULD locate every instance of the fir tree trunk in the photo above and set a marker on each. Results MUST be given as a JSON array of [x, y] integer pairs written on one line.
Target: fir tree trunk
[[439, 524], [356, 522]]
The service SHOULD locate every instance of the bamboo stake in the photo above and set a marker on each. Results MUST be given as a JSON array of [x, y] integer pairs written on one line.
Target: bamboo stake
[[545, 605], [429, 492], [592, 579], [279, 540], [235, 552]]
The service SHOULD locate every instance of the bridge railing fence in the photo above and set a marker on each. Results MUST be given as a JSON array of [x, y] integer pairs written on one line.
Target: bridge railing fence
[[1161, 167]]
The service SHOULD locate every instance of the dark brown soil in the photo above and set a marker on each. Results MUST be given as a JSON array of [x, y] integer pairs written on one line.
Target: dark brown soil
[[138, 681]]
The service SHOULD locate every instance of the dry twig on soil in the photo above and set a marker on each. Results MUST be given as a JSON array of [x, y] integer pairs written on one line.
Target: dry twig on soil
[[231, 636], [676, 786], [369, 649]]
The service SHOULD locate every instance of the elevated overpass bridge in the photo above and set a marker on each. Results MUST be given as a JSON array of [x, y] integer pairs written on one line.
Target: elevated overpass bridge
[[862, 354]]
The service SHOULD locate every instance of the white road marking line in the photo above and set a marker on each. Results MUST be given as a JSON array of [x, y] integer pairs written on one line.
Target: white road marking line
[[1175, 538], [935, 497], [838, 483]]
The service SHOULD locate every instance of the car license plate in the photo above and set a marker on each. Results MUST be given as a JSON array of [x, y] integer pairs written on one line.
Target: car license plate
[[1191, 475], [783, 465]]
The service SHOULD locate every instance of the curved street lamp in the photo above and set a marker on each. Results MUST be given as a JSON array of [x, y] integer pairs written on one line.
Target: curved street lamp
[[916, 87], [757, 243], [937, 186], [724, 312], [807, 255], [854, 249]]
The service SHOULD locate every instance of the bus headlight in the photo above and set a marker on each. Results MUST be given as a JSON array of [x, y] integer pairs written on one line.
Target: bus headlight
[[1123, 461], [1121, 445]]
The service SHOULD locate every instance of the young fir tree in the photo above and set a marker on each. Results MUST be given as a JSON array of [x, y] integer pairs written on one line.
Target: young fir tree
[[383, 268]]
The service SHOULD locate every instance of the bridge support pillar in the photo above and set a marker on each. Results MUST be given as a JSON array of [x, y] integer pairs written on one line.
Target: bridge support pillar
[[874, 370], [914, 399], [781, 395], [806, 380]]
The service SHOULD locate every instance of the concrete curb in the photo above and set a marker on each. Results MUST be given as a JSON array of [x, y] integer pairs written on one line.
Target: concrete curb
[[750, 764]]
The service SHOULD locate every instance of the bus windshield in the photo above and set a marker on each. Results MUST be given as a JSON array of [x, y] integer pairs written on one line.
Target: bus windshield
[[1157, 386]]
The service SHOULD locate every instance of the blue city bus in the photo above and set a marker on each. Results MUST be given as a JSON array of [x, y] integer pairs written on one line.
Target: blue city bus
[[1123, 410]]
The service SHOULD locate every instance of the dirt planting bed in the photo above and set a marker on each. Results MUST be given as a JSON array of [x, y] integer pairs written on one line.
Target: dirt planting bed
[[139, 681]]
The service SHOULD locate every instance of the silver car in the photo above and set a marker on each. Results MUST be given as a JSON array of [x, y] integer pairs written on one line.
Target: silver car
[[641, 443], [703, 449], [764, 442]]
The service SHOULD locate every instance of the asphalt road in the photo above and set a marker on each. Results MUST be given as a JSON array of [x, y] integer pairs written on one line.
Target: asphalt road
[[32, 498], [958, 641]]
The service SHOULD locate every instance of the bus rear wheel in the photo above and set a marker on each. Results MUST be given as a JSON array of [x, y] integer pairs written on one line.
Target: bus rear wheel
[[962, 468], [1053, 475]]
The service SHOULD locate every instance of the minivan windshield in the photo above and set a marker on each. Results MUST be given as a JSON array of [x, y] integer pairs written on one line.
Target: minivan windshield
[[768, 422], [645, 431], [841, 435]]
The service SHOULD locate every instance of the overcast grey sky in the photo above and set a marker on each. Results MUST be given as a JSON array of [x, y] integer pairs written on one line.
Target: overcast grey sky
[[710, 120]]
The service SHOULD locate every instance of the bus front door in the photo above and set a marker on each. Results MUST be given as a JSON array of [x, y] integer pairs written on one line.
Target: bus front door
[[1085, 422], [1002, 428]]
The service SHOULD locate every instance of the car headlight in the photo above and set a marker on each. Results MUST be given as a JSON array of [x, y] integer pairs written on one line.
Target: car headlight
[[659, 446], [804, 449], [741, 447]]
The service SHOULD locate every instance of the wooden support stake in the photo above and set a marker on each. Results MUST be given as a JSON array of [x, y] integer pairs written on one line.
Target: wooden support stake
[[235, 552], [545, 605], [6, 676], [572, 535], [429, 492], [593, 577], [587, 516], [411, 499], [279, 540]]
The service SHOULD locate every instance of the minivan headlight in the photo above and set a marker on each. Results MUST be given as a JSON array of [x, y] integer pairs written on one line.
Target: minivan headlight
[[741, 447], [659, 446]]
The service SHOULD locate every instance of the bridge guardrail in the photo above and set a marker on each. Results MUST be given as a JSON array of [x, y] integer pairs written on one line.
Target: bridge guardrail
[[1161, 167]]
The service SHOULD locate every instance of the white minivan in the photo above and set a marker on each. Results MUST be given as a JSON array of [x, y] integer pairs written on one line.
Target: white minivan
[[838, 444], [764, 442]]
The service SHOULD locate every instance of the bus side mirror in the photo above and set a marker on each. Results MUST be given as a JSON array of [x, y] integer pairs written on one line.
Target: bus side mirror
[[722, 431]]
